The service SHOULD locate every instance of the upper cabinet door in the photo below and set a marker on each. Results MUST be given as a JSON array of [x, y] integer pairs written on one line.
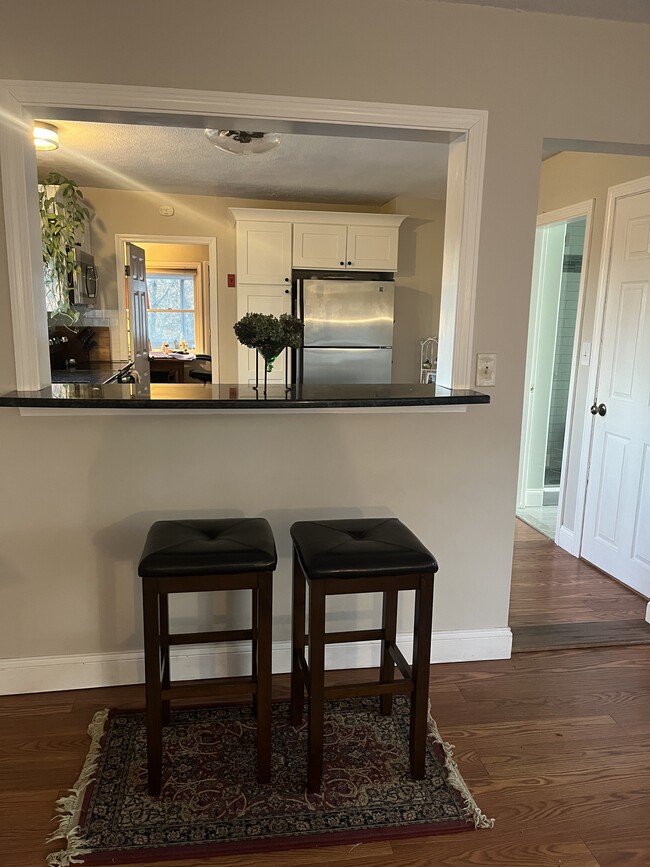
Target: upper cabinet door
[[372, 248], [319, 245], [263, 252]]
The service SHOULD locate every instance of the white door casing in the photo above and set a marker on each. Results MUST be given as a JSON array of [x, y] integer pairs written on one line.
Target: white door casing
[[575, 456], [209, 288], [545, 296], [616, 535]]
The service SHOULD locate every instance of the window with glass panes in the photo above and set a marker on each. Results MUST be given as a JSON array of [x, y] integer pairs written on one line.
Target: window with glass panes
[[172, 308]]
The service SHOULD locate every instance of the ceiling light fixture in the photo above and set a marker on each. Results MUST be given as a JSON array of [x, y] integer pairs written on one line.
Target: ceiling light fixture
[[242, 143], [46, 136]]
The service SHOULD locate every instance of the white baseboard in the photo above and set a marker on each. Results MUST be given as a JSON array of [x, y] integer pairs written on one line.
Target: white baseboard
[[54, 673], [533, 497]]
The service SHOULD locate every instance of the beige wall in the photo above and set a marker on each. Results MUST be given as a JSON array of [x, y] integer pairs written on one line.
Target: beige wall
[[417, 281], [68, 568], [568, 179], [165, 254], [122, 212]]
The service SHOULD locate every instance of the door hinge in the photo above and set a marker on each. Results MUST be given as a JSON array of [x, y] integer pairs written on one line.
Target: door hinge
[[127, 270]]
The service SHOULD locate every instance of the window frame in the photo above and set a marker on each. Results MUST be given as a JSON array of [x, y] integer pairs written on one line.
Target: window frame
[[162, 269]]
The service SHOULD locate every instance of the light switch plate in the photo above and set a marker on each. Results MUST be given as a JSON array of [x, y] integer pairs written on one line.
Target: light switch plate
[[486, 363]]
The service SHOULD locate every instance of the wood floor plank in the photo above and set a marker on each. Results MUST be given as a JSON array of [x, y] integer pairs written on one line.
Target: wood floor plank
[[580, 631], [512, 848]]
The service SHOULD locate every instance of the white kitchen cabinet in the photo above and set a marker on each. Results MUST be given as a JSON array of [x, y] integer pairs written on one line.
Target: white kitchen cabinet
[[267, 299], [372, 248], [317, 245], [349, 247], [263, 252]]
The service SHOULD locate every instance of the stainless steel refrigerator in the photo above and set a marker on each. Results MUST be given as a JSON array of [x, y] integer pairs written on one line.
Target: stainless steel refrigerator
[[348, 334]]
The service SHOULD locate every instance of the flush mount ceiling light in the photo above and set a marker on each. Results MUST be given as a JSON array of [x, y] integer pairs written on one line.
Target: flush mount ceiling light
[[46, 136], [242, 143]]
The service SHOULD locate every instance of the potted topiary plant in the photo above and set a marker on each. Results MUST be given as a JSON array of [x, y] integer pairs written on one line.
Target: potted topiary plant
[[269, 335], [63, 222]]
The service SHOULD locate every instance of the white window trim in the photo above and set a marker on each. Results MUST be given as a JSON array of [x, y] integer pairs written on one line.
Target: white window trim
[[164, 270], [20, 101], [200, 300]]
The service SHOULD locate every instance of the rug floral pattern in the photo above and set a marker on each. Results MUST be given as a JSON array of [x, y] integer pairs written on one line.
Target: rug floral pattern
[[211, 795]]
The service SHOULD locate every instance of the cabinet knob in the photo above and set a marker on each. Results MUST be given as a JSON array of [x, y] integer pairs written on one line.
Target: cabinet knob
[[286, 280], [286, 291], [342, 263], [349, 263]]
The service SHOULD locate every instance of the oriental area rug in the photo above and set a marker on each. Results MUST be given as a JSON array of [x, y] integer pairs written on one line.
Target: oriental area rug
[[211, 803]]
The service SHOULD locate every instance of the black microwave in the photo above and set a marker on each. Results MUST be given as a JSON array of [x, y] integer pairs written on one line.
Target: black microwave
[[83, 288]]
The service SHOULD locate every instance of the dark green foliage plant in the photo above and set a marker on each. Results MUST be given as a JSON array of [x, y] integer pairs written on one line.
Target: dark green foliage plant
[[63, 217], [269, 334]]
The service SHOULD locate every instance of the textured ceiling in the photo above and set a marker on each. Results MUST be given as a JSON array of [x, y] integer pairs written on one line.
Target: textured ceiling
[[306, 168], [614, 10]]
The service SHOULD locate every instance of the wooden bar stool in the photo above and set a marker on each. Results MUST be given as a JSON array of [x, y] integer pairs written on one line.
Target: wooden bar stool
[[196, 556], [365, 555]]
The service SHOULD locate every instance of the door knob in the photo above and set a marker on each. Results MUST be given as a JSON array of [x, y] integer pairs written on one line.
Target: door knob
[[601, 409]]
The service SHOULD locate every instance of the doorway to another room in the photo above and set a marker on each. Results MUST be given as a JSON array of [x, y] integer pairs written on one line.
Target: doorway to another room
[[556, 304], [581, 568], [179, 312]]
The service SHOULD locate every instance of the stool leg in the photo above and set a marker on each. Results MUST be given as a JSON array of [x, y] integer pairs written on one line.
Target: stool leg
[[316, 707], [255, 622], [387, 671], [297, 642], [151, 613], [420, 674], [264, 649], [163, 602]]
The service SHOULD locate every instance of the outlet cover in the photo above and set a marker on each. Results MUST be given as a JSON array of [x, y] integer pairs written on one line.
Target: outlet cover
[[486, 363], [232, 281]]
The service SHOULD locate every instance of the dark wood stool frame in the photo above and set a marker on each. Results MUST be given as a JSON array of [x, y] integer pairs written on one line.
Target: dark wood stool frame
[[157, 641], [312, 676]]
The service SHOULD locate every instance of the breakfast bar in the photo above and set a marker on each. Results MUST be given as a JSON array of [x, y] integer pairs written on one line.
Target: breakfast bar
[[185, 396]]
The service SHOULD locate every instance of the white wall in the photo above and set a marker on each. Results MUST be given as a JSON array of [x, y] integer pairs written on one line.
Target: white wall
[[418, 280], [68, 565]]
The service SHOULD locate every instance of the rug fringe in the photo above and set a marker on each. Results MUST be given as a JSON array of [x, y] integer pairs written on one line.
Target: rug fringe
[[68, 808], [455, 779]]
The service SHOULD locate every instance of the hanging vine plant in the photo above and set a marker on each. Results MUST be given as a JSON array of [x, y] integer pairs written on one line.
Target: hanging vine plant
[[63, 217]]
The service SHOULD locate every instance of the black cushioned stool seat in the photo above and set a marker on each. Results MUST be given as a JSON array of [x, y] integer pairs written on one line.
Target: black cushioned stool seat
[[363, 555], [196, 556]]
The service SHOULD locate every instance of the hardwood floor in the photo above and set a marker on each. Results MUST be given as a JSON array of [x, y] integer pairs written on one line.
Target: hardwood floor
[[555, 746], [558, 601]]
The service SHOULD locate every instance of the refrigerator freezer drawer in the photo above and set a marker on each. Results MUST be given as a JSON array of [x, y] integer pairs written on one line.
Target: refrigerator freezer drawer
[[333, 366]]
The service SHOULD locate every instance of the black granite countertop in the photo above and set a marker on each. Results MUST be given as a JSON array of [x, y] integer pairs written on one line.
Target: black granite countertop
[[199, 396], [96, 373]]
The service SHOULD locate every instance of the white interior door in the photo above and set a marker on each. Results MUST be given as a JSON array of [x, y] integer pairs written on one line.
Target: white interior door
[[617, 512], [137, 318]]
